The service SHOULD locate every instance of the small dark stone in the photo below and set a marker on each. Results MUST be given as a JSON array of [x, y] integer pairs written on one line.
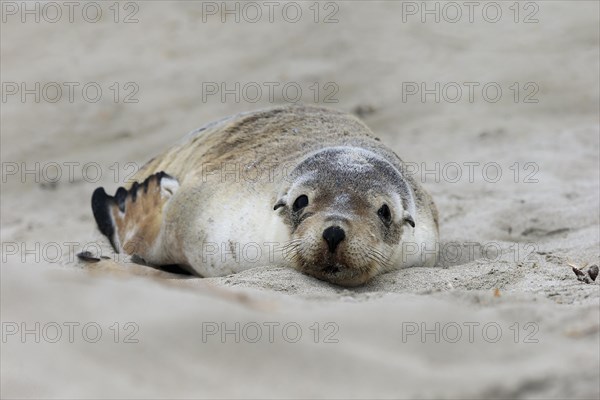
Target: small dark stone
[[588, 276], [363, 110], [593, 272], [578, 273], [86, 256], [49, 185]]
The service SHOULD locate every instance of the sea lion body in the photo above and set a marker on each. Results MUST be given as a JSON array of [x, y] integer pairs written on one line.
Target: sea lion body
[[262, 188]]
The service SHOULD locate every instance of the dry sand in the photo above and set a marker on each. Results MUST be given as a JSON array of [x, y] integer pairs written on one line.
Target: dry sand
[[528, 328]]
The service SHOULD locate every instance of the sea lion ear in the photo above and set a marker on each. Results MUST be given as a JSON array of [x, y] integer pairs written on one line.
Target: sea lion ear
[[282, 202], [409, 219]]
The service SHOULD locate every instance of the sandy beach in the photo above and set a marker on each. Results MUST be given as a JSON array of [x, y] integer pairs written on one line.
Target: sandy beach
[[496, 112]]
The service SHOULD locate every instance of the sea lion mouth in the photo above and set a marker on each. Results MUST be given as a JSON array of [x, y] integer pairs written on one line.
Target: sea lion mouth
[[340, 276], [337, 268], [338, 273], [331, 269]]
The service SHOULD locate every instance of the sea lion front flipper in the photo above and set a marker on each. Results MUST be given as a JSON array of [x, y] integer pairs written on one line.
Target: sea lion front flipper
[[131, 219]]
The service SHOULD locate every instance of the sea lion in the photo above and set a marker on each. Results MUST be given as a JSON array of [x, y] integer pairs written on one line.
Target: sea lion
[[301, 186]]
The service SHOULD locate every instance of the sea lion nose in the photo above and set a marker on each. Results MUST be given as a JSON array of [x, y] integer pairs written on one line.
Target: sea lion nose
[[333, 236]]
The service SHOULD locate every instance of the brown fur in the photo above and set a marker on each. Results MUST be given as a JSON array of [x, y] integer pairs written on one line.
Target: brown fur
[[301, 129]]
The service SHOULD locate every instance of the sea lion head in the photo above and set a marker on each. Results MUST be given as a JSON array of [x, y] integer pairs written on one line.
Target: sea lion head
[[346, 209]]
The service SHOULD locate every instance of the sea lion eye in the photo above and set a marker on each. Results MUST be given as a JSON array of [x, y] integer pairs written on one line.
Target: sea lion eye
[[300, 202], [385, 214]]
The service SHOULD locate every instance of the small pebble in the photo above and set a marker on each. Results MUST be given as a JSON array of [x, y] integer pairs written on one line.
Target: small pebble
[[588, 276]]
